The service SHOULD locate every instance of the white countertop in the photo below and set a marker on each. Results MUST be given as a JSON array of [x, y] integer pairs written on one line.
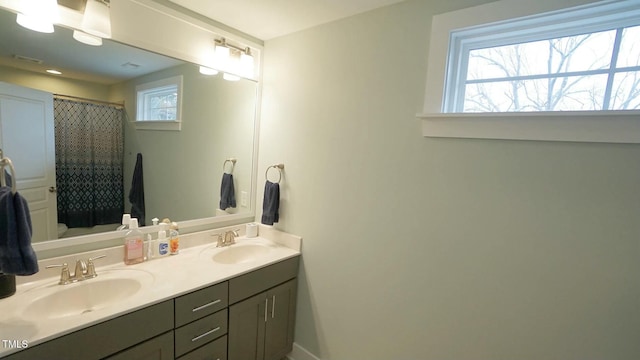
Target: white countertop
[[161, 278]]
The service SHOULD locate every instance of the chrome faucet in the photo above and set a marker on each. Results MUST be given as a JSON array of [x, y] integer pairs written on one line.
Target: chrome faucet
[[229, 238], [84, 270]]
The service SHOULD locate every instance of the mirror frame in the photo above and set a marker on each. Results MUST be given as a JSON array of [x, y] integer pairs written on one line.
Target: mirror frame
[[125, 17]]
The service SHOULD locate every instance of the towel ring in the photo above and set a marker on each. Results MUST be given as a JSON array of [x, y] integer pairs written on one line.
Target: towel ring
[[277, 166], [3, 180], [233, 164]]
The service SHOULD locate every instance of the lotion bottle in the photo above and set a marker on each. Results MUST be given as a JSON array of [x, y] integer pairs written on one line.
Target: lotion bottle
[[133, 244], [162, 248]]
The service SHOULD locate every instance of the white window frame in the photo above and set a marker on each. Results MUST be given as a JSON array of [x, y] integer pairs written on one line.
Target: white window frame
[[141, 122], [589, 126]]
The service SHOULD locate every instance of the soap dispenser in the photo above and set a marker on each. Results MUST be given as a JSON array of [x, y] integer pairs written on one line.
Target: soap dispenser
[[133, 244]]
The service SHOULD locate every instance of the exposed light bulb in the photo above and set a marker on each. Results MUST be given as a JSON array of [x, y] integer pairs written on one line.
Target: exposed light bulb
[[88, 39], [97, 19]]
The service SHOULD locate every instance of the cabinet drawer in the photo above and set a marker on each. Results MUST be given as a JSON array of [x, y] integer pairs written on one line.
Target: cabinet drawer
[[200, 332], [158, 348], [255, 282], [201, 303], [215, 350]]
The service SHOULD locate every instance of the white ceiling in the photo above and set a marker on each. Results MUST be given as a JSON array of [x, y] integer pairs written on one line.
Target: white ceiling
[[267, 19]]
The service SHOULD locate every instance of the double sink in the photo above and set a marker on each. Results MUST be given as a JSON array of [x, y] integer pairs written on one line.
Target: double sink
[[118, 285]]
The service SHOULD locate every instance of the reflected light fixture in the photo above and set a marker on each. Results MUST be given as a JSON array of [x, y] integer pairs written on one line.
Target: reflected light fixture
[[88, 39], [208, 71], [38, 15], [97, 18], [54, 72], [230, 77]]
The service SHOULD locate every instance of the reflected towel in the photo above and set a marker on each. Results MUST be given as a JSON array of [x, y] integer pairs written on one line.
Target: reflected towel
[[16, 254], [136, 194], [271, 203], [227, 192]]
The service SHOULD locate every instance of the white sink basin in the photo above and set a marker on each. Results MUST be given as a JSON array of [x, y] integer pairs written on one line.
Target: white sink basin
[[86, 296], [238, 254]]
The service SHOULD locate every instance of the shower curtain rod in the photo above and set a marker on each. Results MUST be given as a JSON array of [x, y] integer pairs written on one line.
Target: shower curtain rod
[[100, 102]]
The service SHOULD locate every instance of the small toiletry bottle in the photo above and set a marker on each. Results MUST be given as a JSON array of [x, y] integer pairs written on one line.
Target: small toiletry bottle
[[126, 219], [133, 244], [149, 248], [162, 242], [174, 242]]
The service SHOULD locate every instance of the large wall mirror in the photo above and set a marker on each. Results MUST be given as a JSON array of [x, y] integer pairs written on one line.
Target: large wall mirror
[[183, 169]]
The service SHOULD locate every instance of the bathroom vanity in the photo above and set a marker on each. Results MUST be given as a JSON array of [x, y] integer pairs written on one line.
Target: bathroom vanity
[[245, 311]]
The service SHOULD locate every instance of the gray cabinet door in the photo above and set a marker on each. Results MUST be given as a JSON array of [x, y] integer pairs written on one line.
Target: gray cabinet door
[[246, 329], [280, 320], [261, 327]]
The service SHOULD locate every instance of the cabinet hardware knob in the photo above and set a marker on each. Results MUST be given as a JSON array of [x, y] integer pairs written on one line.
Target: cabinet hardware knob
[[205, 305]]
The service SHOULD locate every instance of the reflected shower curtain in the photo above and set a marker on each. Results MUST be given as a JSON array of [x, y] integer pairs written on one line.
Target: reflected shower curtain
[[89, 162]]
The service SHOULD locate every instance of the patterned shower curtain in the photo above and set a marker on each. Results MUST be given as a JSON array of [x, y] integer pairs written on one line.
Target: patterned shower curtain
[[89, 162]]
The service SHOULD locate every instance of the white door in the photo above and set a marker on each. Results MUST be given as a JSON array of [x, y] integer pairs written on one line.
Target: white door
[[27, 138]]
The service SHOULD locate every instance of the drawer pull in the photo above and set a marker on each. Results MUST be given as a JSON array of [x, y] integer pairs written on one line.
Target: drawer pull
[[266, 306], [206, 305], [273, 307], [205, 334]]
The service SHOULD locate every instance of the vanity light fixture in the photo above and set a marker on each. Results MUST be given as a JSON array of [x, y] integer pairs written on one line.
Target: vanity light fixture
[[235, 61], [88, 39], [97, 18], [38, 15], [247, 63], [221, 54]]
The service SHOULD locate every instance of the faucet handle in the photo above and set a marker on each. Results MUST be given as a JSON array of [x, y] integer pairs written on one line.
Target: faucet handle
[[65, 276], [91, 268]]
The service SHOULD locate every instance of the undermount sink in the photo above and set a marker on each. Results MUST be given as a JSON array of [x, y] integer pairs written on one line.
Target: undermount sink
[[238, 254], [86, 296]]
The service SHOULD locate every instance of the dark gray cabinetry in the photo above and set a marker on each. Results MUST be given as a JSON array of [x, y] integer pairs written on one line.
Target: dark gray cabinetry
[[158, 348], [201, 317], [249, 317], [261, 326], [109, 337]]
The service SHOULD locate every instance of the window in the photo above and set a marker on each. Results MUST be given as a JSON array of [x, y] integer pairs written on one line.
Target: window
[[577, 61], [158, 104], [535, 70]]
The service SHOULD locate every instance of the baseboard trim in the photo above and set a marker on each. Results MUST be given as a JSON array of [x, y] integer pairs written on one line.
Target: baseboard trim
[[300, 353]]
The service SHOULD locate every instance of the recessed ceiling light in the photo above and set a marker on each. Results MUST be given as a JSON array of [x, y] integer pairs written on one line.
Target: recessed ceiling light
[[54, 72]]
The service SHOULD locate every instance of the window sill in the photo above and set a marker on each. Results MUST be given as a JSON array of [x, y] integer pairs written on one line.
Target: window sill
[[162, 125], [575, 126]]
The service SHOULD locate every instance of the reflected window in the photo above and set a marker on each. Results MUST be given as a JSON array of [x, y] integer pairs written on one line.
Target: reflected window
[[158, 104]]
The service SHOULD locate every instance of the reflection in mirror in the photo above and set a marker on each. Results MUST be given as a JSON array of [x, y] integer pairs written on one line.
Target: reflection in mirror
[[182, 170]]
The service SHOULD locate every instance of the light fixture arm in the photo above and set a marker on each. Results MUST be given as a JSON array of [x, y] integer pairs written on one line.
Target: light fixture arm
[[223, 42]]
